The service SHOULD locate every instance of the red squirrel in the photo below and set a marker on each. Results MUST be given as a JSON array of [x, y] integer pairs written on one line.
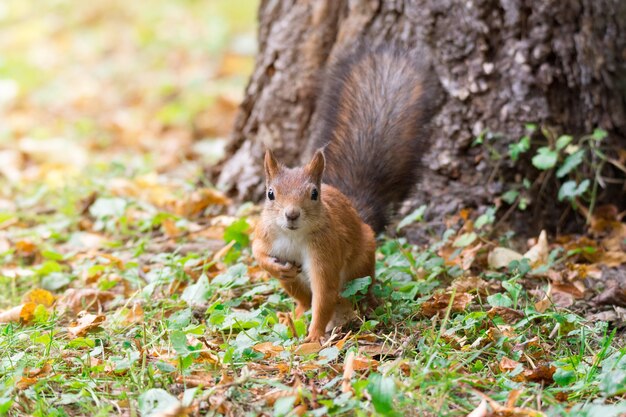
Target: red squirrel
[[317, 228]]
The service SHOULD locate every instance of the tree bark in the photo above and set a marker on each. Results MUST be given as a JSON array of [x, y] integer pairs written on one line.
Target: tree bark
[[502, 63]]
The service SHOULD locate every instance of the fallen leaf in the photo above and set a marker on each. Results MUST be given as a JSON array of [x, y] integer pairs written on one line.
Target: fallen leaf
[[85, 323], [194, 204], [170, 228], [22, 313], [348, 372], [25, 382], [613, 295], [511, 399], [509, 315], [135, 314], [538, 254], [542, 373], [308, 348], [39, 296], [439, 302], [502, 257], [269, 349], [90, 299], [470, 284], [507, 364], [480, 411]]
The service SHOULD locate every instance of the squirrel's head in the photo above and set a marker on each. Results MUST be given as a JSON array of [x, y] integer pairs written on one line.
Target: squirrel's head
[[293, 196]]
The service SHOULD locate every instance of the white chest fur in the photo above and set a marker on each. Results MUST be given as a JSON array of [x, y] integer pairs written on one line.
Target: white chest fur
[[291, 246]]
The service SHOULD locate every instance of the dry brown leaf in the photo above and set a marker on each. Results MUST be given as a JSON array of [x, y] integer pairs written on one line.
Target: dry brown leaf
[[575, 289], [480, 411], [170, 228], [22, 313], [194, 204], [538, 254], [43, 371], [25, 248], [502, 257], [502, 411], [545, 303], [197, 379], [509, 315], [361, 363], [269, 349], [25, 382], [91, 299], [85, 323], [439, 302], [613, 295], [542, 373], [308, 348], [511, 399], [339, 345], [469, 284], [379, 349], [348, 372], [612, 258], [135, 314], [507, 364]]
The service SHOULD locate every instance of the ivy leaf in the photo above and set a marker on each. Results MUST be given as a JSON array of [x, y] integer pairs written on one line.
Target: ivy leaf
[[510, 196], [239, 231], [571, 162], [179, 320], [569, 190], [157, 401], [465, 240], [500, 300], [516, 149], [197, 293], [564, 377], [355, 286], [545, 158], [382, 390], [599, 134], [487, 218], [416, 216], [563, 141], [614, 382], [179, 342], [328, 355]]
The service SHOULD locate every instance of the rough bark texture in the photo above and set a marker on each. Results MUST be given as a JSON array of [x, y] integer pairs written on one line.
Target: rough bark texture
[[502, 63]]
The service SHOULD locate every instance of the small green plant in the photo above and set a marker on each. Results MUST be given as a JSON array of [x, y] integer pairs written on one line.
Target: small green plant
[[575, 165]]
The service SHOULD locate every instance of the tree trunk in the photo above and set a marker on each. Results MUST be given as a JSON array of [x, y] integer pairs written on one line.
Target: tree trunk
[[502, 63]]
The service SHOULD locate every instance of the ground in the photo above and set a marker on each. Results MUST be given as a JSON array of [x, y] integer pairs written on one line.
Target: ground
[[128, 284]]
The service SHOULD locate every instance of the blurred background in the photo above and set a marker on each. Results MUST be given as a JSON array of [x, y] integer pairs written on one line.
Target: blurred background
[[87, 84]]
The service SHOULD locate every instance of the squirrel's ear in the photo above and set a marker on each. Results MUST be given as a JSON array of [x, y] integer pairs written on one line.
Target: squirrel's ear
[[271, 165], [316, 166]]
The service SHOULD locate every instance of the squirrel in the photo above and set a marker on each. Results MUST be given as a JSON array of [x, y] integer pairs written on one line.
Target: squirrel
[[317, 227]]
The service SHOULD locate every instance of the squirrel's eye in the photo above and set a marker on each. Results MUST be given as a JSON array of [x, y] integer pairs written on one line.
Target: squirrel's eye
[[270, 194], [314, 194]]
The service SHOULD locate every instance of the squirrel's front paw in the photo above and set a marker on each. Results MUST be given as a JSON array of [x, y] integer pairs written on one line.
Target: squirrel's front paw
[[287, 270], [315, 335]]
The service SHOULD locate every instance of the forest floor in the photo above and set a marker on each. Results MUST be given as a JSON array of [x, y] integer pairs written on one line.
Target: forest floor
[[127, 283]]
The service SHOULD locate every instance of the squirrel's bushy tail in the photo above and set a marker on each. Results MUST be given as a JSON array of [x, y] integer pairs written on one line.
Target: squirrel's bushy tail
[[372, 119]]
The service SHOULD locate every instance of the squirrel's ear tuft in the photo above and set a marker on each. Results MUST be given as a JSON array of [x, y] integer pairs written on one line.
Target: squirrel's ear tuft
[[271, 165], [316, 166]]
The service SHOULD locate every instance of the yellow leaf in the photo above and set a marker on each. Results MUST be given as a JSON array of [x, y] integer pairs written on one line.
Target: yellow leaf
[[39, 296]]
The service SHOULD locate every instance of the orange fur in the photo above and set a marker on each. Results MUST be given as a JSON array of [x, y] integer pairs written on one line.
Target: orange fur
[[332, 244]]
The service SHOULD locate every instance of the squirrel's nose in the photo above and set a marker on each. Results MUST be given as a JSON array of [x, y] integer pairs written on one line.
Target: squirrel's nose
[[292, 214]]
